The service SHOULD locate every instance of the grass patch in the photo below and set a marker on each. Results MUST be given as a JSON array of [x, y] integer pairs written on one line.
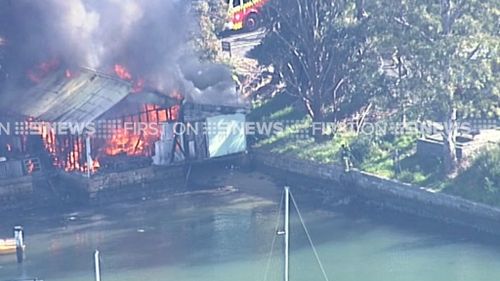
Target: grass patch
[[376, 154], [370, 153], [294, 139], [423, 171], [278, 107]]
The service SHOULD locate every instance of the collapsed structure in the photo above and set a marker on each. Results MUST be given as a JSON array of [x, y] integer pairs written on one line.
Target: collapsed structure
[[87, 127]]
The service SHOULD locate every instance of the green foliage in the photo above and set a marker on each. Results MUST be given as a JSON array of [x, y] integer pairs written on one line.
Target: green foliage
[[406, 176], [445, 55], [323, 54], [450, 49], [439, 57], [480, 182], [279, 107], [487, 170], [361, 149], [211, 15]]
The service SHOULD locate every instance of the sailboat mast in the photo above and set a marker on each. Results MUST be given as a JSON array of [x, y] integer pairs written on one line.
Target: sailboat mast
[[287, 232], [97, 266]]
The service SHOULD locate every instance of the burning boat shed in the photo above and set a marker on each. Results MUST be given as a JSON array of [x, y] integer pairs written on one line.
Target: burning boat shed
[[94, 130]]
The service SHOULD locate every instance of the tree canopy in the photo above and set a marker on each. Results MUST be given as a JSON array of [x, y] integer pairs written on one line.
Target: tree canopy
[[442, 57], [450, 54], [324, 53]]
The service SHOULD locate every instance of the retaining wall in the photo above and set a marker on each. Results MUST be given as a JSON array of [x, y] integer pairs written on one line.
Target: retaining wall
[[127, 184], [390, 194], [15, 189]]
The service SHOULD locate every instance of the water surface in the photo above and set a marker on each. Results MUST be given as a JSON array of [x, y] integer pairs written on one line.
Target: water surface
[[226, 234]]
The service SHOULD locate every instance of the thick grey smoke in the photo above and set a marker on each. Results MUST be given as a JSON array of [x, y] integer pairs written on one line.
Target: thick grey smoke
[[209, 83], [148, 37], [96, 33]]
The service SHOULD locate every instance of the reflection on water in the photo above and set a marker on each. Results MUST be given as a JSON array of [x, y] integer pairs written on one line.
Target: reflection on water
[[226, 235]]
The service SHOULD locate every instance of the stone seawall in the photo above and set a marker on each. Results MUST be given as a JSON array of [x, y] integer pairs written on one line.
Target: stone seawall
[[14, 190], [389, 194], [109, 187]]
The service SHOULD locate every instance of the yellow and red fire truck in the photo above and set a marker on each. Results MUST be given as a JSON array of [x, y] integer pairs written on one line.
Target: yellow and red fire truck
[[244, 14]]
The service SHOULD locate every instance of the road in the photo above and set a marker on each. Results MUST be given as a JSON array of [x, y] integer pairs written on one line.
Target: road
[[242, 43]]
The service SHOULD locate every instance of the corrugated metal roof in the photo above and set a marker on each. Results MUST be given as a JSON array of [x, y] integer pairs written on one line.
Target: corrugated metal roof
[[81, 99]]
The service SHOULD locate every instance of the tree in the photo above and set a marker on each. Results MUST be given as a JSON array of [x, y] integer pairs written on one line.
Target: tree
[[451, 52], [211, 15], [323, 52]]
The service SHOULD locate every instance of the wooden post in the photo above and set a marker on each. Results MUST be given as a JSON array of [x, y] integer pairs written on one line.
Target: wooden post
[[19, 237], [226, 47], [88, 152]]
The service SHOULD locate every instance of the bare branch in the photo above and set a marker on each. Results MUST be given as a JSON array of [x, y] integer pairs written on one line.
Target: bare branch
[[337, 85], [295, 52], [406, 24], [473, 52]]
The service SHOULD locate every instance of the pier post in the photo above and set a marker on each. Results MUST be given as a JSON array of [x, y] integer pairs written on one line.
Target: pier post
[[19, 237]]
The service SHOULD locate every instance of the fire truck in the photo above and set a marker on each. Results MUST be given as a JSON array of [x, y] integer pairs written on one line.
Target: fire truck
[[244, 14]]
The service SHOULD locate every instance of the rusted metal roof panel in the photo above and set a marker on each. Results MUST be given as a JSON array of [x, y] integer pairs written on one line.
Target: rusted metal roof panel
[[81, 99]]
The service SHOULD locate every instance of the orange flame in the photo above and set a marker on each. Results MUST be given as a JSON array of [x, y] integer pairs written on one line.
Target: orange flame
[[71, 158], [40, 71], [68, 74], [49, 140], [129, 143], [30, 166], [176, 94], [122, 72], [96, 165], [140, 142], [175, 111], [138, 85], [69, 153]]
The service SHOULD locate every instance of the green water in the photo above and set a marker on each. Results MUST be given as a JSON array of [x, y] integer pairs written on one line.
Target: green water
[[226, 235]]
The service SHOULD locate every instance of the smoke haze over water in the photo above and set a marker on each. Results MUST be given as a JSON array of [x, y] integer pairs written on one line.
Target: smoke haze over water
[[149, 37]]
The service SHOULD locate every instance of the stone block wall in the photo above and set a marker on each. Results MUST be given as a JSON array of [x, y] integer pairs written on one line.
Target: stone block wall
[[390, 194], [126, 183], [12, 190]]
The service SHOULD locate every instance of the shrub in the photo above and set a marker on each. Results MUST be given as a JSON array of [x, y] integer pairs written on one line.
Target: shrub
[[361, 148], [481, 182], [406, 176], [487, 169]]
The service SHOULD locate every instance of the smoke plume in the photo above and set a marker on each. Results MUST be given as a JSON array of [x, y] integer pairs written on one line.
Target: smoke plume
[[148, 37]]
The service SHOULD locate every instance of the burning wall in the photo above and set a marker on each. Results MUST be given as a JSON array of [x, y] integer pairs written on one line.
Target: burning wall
[[141, 51], [128, 142], [82, 99], [70, 152]]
